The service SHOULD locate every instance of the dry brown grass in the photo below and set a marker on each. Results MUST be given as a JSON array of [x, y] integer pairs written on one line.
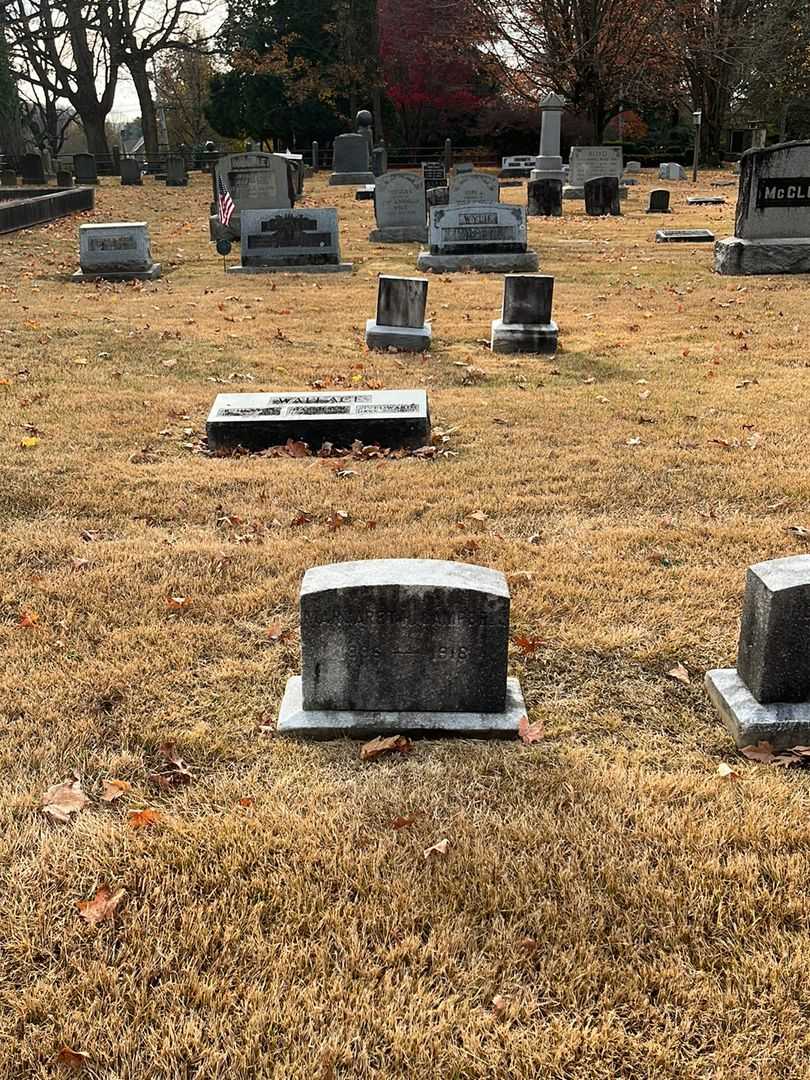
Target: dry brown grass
[[301, 936]]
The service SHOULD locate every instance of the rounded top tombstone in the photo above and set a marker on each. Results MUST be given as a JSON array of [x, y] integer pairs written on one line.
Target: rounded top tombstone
[[364, 119]]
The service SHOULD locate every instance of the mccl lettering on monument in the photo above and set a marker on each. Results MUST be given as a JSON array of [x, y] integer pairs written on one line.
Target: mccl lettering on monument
[[786, 191]]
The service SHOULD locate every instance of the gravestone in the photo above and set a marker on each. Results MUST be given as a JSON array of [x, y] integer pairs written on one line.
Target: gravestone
[[84, 169], [379, 161], [772, 222], [437, 196], [548, 164], [632, 167], [602, 196], [391, 646], [434, 174], [473, 188], [544, 198], [399, 207], [706, 200], [116, 161], [767, 696], [365, 193], [351, 160], [390, 418], [292, 241], [117, 251], [588, 162], [131, 172], [659, 202], [516, 166], [490, 237], [64, 178], [684, 236], [176, 175], [8, 178], [255, 181], [32, 169], [525, 325], [671, 170], [295, 165], [400, 321]]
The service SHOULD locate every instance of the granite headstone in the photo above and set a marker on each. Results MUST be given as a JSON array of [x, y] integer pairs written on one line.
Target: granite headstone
[[400, 321]]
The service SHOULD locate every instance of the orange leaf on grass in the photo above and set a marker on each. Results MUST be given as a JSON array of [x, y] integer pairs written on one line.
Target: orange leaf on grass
[[178, 603], [404, 822], [73, 1059], [114, 789], [141, 819], [527, 644], [28, 619], [103, 905], [680, 673], [530, 733], [384, 745]]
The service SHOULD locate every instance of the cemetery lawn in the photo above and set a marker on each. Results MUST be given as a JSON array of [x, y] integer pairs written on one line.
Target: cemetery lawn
[[608, 906]]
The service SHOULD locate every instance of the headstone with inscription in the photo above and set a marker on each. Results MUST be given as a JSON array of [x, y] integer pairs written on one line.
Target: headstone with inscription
[[587, 162], [602, 196], [437, 196], [390, 418], [351, 161], [658, 202], [544, 198], [473, 188], [32, 169], [400, 321], [767, 696], [255, 181], [292, 241], [434, 173], [525, 325], [490, 237], [85, 169], [671, 170], [176, 175], [399, 207], [116, 251], [772, 223], [519, 166], [393, 646], [131, 172]]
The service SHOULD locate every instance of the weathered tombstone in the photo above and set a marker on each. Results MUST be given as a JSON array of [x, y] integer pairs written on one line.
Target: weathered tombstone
[[379, 160], [544, 198], [64, 178], [131, 172], [705, 200], [85, 169], [684, 236], [767, 696], [548, 165], [400, 321], [525, 325], [392, 646], [632, 167], [117, 251], [176, 175], [473, 188], [490, 237], [32, 169], [116, 161], [316, 156], [602, 196], [671, 170], [254, 181], [295, 165], [351, 161], [434, 174], [659, 202], [587, 162], [772, 222], [292, 241], [365, 193], [399, 207], [437, 196], [8, 178], [516, 166], [390, 418]]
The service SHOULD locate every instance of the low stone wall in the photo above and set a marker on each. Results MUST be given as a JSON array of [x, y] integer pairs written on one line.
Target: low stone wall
[[22, 207]]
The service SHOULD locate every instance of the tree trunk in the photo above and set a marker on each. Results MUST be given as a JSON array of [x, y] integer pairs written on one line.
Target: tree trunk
[[96, 134], [149, 125]]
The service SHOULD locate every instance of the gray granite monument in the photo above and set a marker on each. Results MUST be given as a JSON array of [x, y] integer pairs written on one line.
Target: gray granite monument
[[490, 237], [291, 241], [516, 167], [131, 175], [525, 325], [658, 202], [85, 169], [32, 169], [767, 696], [398, 646], [400, 321], [548, 164], [587, 162], [255, 181], [351, 161], [176, 175], [64, 178], [116, 251], [671, 170], [399, 207]]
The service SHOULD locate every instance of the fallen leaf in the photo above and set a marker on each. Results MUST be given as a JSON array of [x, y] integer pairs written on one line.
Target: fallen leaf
[[28, 619], [73, 1059], [530, 733], [178, 603], [384, 744], [499, 1005], [726, 772], [763, 752], [337, 518], [276, 633], [528, 645], [62, 800], [114, 789], [246, 801], [680, 673], [29, 442], [401, 822], [527, 945], [141, 819], [102, 907], [441, 847]]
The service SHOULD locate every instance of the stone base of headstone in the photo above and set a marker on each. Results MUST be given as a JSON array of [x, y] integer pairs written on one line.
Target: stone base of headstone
[[494, 263], [746, 257], [524, 338], [515, 173], [294, 719], [398, 234], [782, 724], [119, 275], [684, 236], [364, 192], [630, 181], [404, 338], [355, 179], [653, 210], [572, 191], [290, 266]]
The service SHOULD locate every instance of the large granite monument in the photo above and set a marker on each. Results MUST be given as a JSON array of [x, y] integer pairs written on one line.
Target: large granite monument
[[587, 162], [490, 237], [255, 181], [292, 241], [548, 164]]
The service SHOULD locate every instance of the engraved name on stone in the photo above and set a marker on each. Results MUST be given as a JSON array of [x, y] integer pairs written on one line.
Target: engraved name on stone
[[786, 191]]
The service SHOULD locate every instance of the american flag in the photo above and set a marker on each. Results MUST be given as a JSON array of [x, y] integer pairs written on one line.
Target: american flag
[[225, 207]]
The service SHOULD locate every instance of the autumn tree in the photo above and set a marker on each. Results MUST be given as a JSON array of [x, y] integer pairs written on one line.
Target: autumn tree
[[183, 80]]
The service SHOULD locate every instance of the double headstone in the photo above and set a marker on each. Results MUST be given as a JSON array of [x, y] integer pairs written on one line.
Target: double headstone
[[544, 198], [393, 646], [85, 169], [587, 162], [131, 172], [602, 196], [400, 321], [117, 251], [772, 223], [659, 201], [390, 418], [176, 175], [32, 169], [671, 170], [525, 325], [351, 161], [767, 696], [399, 207], [292, 241], [490, 237]]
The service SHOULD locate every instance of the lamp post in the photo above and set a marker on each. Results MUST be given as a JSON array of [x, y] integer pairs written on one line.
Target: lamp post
[[697, 117]]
